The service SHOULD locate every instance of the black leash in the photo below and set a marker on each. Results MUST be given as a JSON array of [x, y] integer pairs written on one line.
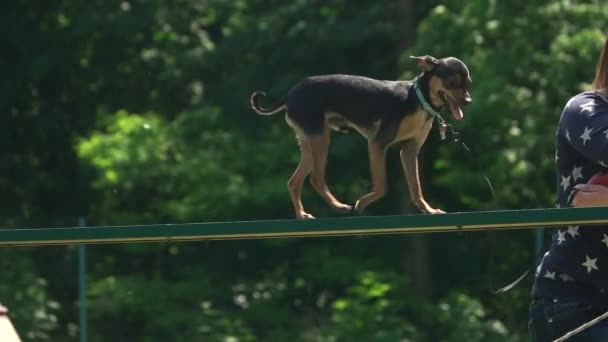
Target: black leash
[[443, 127], [456, 138]]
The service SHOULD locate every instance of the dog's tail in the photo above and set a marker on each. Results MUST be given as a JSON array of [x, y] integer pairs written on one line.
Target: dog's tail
[[265, 111]]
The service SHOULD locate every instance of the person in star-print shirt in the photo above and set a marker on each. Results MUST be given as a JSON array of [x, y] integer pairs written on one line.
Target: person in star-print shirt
[[571, 281]]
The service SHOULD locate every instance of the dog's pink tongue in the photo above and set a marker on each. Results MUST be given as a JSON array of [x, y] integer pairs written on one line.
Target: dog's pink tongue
[[455, 109]]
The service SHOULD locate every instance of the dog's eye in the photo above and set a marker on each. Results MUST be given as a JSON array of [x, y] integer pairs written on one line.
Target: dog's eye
[[452, 83]]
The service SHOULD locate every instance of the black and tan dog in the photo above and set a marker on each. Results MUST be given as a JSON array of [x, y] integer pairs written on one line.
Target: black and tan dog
[[384, 112]]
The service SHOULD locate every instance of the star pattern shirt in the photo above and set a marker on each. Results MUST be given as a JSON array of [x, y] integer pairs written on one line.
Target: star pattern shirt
[[576, 265]]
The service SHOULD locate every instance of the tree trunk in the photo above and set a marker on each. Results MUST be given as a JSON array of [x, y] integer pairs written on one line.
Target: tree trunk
[[407, 20], [418, 255]]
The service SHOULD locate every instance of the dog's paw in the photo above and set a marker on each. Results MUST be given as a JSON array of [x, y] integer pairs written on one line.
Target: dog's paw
[[358, 213], [343, 208], [430, 210], [427, 209], [358, 209], [304, 215]]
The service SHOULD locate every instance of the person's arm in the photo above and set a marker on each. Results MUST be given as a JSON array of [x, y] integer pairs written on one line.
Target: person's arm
[[590, 195], [586, 126], [585, 123]]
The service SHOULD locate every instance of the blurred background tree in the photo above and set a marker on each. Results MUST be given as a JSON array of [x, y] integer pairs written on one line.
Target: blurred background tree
[[137, 112]]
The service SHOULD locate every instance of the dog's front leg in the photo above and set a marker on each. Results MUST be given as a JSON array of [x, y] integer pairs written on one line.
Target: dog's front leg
[[409, 161]]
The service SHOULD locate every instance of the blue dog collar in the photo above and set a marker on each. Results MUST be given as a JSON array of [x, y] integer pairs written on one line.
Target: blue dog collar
[[429, 109]]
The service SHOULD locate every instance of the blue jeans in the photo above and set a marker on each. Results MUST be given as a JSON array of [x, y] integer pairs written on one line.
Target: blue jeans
[[551, 320]]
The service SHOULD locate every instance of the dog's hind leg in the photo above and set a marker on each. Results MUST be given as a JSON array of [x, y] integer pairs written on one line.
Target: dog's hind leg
[[296, 181], [377, 161], [319, 144]]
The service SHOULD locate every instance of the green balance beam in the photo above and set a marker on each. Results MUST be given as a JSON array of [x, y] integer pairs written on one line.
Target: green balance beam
[[366, 225]]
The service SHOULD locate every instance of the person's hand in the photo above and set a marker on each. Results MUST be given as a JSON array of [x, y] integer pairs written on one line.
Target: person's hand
[[590, 195]]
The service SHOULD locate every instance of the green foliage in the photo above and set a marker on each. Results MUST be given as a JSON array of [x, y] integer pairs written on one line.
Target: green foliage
[[189, 162], [381, 307], [33, 311], [519, 88], [462, 318], [372, 310], [135, 307], [138, 112]]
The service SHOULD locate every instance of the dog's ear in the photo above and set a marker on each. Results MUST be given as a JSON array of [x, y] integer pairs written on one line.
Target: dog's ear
[[426, 63]]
